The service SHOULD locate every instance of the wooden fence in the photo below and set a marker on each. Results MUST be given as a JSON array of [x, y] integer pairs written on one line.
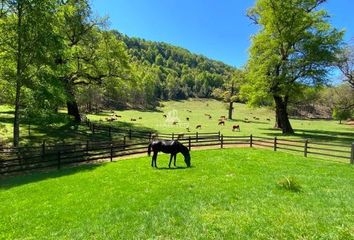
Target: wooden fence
[[23, 159]]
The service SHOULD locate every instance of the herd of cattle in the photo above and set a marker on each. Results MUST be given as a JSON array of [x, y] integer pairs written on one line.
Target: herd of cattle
[[221, 120]]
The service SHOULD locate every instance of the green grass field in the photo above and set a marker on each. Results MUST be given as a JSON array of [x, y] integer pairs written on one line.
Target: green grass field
[[227, 194], [60, 128], [319, 130]]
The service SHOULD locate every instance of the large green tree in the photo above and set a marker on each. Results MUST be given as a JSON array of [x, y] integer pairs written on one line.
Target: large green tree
[[295, 45], [91, 55], [27, 38]]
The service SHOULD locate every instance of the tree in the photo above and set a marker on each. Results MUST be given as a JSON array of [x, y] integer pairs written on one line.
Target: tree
[[295, 45], [346, 64], [91, 55], [27, 38], [229, 92]]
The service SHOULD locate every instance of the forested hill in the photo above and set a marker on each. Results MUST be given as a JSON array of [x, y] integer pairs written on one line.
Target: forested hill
[[179, 73]]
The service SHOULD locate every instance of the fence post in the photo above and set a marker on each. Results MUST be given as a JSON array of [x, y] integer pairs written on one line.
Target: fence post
[[222, 141], [251, 140], [352, 156], [173, 136], [150, 136], [196, 136], [110, 132], [219, 135], [305, 147], [189, 143], [275, 144], [59, 160], [130, 133], [111, 152]]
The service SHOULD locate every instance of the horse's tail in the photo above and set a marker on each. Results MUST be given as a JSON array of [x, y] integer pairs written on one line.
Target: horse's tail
[[149, 149]]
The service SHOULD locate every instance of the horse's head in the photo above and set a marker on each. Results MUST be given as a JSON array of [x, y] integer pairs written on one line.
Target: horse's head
[[187, 156]]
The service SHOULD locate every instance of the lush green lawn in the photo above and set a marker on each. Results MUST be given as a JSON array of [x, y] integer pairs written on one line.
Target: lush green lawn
[[320, 130], [59, 128], [230, 194]]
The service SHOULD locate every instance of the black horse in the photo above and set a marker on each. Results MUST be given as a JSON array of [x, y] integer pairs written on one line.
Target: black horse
[[172, 147]]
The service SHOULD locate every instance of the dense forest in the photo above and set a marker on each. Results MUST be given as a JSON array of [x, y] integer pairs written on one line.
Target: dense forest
[[160, 71]]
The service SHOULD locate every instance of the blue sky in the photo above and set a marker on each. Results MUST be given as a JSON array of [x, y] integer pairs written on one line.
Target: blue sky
[[218, 29]]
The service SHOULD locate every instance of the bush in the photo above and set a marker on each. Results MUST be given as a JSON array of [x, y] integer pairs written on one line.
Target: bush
[[290, 184]]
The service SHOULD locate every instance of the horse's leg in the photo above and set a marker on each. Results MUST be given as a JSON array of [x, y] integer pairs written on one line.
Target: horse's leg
[[175, 156], [154, 158], [169, 165]]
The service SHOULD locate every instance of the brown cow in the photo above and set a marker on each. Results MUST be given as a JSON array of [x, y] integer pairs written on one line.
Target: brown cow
[[221, 123], [198, 126], [236, 127]]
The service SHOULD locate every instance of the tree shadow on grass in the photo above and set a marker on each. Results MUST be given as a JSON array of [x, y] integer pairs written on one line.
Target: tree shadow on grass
[[317, 135], [9, 182]]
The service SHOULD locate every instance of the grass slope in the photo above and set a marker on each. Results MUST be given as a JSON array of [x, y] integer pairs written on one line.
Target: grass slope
[[230, 194], [321, 130]]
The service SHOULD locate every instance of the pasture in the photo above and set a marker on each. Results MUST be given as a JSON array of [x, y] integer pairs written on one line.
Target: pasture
[[196, 110], [230, 194], [59, 128]]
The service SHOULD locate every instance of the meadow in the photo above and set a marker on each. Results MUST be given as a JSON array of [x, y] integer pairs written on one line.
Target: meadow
[[227, 194], [318, 130], [59, 128]]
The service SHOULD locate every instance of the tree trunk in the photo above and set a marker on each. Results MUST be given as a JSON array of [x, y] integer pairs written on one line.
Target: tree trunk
[[277, 123], [282, 114], [231, 107], [16, 131], [73, 109]]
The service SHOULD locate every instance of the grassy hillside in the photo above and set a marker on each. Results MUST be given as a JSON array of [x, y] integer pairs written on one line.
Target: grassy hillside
[[230, 194], [59, 128], [313, 129]]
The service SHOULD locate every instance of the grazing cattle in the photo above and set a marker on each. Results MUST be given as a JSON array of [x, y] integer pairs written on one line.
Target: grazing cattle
[[236, 127], [198, 127], [187, 129], [268, 119], [255, 118], [189, 111], [165, 116], [111, 119], [187, 118], [118, 116], [175, 123], [221, 123], [181, 135], [140, 118], [223, 117], [210, 117], [133, 119], [246, 119]]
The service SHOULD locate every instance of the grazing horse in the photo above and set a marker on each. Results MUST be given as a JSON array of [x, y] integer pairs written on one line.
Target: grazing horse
[[234, 127], [173, 147], [221, 123]]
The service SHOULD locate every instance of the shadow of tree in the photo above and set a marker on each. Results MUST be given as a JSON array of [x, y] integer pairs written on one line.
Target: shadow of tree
[[19, 180], [318, 135]]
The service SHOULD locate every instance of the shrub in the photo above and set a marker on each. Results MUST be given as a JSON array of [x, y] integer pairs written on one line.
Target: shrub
[[290, 184]]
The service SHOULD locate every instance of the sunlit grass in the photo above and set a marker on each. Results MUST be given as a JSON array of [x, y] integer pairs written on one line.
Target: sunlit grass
[[227, 194]]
